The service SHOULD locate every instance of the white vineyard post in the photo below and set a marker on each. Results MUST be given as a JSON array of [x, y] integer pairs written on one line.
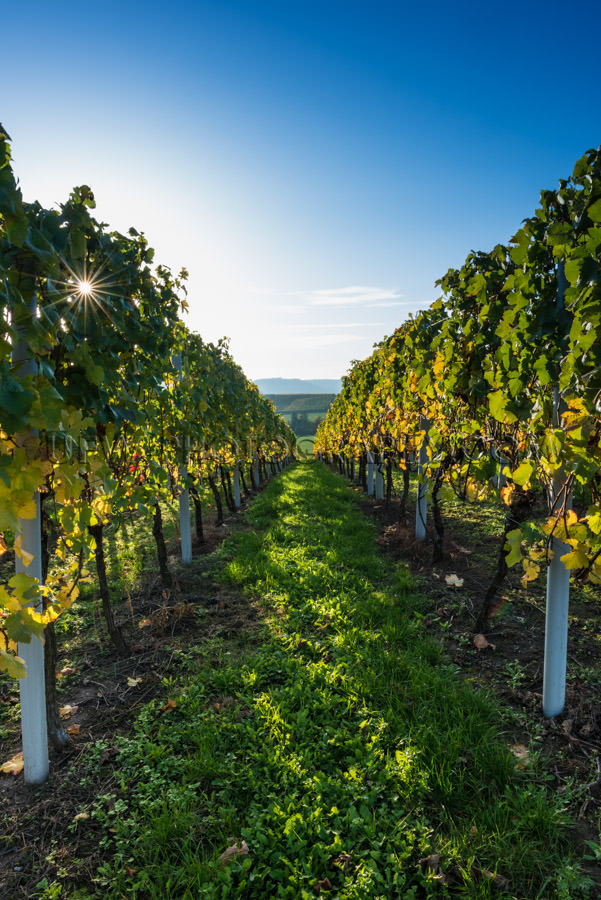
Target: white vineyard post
[[499, 480], [421, 507], [379, 479], [237, 500], [501, 476], [558, 584], [184, 497], [370, 473], [32, 688], [495, 478]]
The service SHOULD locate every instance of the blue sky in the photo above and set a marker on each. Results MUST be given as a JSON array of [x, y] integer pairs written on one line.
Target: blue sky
[[315, 165]]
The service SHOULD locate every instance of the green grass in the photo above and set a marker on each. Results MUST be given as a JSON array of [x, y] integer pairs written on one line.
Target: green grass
[[341, 746]]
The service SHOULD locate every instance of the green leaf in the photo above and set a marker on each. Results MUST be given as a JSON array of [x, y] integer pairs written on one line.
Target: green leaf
[[25, 586], [14, 666], [16, 229], [520, 251], [78, 244], [523, 473], [541, 369], [16, 402], [497, 402], [572, 270], [513, 545], [594, 211]]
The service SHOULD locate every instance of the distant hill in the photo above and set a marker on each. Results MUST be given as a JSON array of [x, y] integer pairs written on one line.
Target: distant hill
[[303, 412], [299, 385]]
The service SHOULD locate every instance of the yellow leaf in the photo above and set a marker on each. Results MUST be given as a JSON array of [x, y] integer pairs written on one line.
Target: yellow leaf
[[13, 766], [531, 571], [23, 555], [65, 712], [28, 510], [594, 522], [577, 559], [101, 507], [453, 580], [438, 367]]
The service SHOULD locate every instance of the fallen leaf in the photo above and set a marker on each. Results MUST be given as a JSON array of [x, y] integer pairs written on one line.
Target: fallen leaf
[[67, 711], [81, 817], [73, 729], [453, 580], [130, 871], [169, 705], [324, 885], [482, 644], [522, 757], [134, 682], [66, 670], [233, 852], [13, 766]]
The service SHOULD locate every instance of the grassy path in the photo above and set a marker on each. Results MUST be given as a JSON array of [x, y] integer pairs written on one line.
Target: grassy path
[[334, 741]]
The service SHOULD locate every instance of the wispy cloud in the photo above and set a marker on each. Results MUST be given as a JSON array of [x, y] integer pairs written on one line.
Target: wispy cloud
[[320, 325], [354, 295]]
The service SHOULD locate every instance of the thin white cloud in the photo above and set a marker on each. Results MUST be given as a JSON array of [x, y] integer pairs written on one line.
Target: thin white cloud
[[354, 295], [319, 325]]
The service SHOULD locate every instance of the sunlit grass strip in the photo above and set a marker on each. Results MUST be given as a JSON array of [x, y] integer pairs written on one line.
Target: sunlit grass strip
[[343, 749]]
